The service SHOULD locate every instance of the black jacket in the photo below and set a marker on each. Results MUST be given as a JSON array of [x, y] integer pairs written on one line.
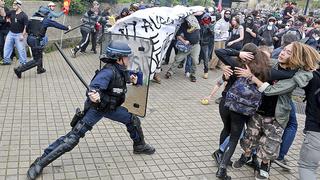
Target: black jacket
[[313, 103]]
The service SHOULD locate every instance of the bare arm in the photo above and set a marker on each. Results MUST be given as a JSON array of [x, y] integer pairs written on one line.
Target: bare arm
[[241, 36], [181, 38]]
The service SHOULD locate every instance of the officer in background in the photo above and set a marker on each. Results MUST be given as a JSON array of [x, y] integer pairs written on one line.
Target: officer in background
[[37, 39], [107, 93]]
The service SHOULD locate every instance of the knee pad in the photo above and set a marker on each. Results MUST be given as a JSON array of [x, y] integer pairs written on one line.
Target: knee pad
[[81, 128], [136, 121], [70, 142]]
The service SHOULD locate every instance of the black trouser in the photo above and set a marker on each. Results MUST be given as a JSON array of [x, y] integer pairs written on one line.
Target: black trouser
[[3, 34], [84, 41], [167, 58], [233, 124], [36, 49], [94, 36]]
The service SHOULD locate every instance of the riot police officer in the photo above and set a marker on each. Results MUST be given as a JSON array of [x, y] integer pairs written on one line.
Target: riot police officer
[[37, 39], [106, 94]]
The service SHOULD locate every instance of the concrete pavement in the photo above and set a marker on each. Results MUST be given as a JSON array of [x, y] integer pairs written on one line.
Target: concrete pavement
[[37, 109]]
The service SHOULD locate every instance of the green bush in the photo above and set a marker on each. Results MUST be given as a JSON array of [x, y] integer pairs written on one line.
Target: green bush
[[9, 3]]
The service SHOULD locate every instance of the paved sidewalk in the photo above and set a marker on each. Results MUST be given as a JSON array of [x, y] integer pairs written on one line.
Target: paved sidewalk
[[36, 109]]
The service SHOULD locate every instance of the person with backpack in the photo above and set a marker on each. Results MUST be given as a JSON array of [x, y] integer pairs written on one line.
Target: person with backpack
[[265, 128], [104, 99], [234, 121]]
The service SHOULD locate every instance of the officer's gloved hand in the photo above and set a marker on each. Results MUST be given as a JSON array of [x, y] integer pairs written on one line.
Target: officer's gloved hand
[[94, 96], [69, 27]]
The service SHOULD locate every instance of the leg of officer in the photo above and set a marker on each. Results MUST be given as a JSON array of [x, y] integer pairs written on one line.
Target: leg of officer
[[40, 68], [65, 143], [134, 128], [30, 64]]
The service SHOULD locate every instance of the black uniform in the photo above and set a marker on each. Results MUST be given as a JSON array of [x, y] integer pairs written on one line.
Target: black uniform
[[37, 39], [110, 83]]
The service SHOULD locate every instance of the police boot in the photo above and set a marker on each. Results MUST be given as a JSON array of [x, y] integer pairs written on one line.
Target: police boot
[[139, 145], [18, 72], [34, 170], [63, 145], [222, 174], [41, 70]]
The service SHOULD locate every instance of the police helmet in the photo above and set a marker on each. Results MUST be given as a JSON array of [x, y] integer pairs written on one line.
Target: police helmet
[[115, 50], [42, 12]]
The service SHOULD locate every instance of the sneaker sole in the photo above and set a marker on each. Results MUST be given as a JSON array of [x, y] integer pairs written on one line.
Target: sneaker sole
[[285, 167], [142, 152]]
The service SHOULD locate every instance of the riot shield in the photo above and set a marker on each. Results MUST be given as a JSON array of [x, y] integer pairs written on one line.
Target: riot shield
[[139, 64]]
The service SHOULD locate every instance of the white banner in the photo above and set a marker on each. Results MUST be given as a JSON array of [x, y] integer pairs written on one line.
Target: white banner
[[159, 24]]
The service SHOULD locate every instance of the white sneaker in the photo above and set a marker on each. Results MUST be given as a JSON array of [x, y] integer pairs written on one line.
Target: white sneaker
[[205, 76], [187, 74]]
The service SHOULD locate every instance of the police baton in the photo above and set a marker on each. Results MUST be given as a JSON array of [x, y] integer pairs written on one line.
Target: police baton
[[71, 66], [74, 28]]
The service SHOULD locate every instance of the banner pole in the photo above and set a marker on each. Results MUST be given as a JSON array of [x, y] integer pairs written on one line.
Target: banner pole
[[64, 19]]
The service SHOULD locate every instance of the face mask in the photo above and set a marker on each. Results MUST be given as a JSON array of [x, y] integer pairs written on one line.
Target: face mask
[[271, 23], [227, 16], [317, 38], [287, 27]]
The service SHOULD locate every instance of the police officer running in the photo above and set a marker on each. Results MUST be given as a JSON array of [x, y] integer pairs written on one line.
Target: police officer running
[[107, 93], [37, 39]]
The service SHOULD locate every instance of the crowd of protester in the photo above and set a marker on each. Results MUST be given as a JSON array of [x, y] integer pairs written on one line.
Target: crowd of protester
[[276, 50]]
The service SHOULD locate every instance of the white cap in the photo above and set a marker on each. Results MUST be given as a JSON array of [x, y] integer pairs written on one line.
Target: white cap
[[210, 9], [19, 2], [51, 3]]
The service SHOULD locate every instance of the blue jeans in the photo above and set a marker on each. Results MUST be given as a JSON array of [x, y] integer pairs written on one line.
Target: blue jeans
[[205, 53], [289, 132], [223, 146], [93, 116], [188, 64], [11, 40]]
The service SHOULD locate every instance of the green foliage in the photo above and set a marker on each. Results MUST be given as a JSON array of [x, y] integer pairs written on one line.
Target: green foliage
[[9, 3], [120, 1], [78, 7]]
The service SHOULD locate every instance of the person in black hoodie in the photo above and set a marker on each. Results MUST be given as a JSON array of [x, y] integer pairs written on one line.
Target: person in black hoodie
[[310, 149], [4, 25], [250, 31], [206, 32]]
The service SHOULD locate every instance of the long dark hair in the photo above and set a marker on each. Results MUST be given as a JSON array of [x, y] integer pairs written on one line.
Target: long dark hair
[[260, 65]]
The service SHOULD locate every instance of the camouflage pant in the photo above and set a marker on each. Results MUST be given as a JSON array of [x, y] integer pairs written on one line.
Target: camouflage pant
[[265, 135]]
